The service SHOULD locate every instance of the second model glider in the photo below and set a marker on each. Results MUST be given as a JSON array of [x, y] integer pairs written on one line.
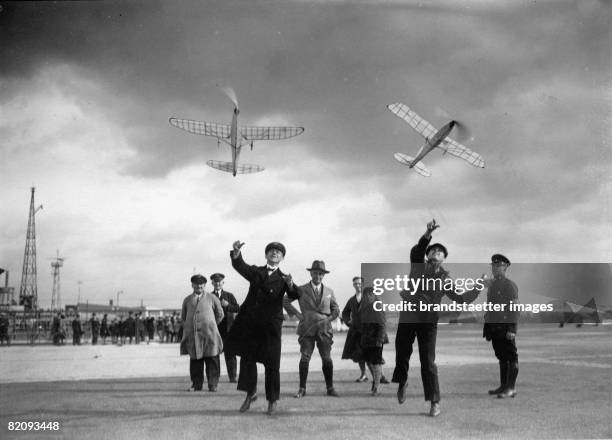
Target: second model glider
[[236, 137], [433, 138]]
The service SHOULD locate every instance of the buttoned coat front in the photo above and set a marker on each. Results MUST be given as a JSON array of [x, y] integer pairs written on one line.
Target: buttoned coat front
[[317, 310], [201, 336], [229, 311], [256, 333]]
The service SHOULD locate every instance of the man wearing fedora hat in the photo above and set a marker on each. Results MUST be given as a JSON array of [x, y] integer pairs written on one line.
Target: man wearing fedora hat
[[500, 326], [201, 313], [256, 333], [318, 308], [425, 264]]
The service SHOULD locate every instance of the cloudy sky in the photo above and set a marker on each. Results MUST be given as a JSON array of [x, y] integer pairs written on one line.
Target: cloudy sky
[[86, 90]]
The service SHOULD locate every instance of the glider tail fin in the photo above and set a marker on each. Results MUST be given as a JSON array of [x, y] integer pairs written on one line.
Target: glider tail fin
[[419, 167], [228, 167]]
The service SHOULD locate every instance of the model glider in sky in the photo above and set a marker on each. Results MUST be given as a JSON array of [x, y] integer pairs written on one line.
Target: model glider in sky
[[236, 137], [433, 138]]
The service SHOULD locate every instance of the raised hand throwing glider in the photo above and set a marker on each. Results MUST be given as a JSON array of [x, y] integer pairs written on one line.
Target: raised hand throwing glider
[[236, 137], [433, 138]]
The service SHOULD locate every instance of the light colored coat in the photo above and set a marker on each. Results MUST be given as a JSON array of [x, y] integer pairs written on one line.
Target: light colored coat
[[317, 312], [201, 336]]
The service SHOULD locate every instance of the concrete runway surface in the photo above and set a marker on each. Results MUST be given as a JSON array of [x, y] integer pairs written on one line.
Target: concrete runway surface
[[564, 391]]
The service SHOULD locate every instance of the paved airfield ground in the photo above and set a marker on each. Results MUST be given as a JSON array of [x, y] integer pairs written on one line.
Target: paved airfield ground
[[564, 391]]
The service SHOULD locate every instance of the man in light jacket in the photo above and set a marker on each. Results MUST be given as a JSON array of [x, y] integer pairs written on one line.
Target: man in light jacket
[[201, 312], [318, 308]]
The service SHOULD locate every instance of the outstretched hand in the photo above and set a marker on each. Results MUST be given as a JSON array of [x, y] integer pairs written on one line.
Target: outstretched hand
[[432, 226], [236, 246]]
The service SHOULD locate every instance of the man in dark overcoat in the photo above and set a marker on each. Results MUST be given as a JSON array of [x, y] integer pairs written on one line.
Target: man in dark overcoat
[[230, 308], [256, 333], [500, 326]]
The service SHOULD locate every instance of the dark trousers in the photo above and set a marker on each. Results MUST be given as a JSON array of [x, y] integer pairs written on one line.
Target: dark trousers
[[247, 380], [94, 338], [196, 371], [505, 349], [307, 344], [231, 364], [426, 334]]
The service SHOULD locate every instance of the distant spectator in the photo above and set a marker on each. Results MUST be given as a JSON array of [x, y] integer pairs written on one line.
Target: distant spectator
[[104, 328], [150, 326], [129, 326], [77, 330], [4, 330], [94, 324]]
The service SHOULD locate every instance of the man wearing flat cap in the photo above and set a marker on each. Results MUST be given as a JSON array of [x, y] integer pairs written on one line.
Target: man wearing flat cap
[[230, 308], [425, 265], [318, 308], [256, 333], [500, 326], [200, 313]]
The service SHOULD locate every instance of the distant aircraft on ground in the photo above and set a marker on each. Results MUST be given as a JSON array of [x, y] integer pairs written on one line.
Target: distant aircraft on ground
[[236, 137], [433, 138]]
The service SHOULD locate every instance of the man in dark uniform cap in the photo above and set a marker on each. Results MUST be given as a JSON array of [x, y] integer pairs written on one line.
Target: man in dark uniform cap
[[256, 333], [500, 327], [230, 308]]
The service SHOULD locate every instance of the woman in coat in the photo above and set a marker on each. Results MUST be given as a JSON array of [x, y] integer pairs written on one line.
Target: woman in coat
[[373, 336], [350, 317]]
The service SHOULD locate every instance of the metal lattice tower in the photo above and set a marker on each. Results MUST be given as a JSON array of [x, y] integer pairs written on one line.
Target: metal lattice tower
[[28, 291], [56, 298]]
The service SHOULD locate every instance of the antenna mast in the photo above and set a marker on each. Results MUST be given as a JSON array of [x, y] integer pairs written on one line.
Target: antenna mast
[[28, 291], [56, 299]]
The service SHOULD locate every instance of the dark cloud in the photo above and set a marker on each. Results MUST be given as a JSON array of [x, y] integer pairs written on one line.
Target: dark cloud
[[332, 68]]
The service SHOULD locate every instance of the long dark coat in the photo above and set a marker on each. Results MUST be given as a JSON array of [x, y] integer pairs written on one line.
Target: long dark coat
[[350, 317], [229, 312], [256, 333]]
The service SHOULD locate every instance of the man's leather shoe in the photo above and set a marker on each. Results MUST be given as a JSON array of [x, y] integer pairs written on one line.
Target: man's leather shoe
[[332, 392], [212, 389], [384, 380], [271, 407], [506, 393], [374, 390], [233, 380], [250, 398], [301, 393], [402, 393], [363, 378], [434, 410], [497, 390]]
